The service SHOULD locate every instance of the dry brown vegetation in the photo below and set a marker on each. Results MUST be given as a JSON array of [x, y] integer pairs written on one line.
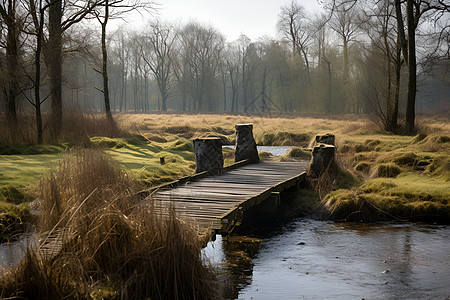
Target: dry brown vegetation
[[283, 130], [118, 249], [78, 127]]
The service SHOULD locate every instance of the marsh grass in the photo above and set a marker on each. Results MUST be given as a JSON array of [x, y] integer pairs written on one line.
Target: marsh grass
[[119, 248]]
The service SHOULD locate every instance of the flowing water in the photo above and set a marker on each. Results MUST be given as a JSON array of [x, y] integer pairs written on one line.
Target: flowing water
[[310, 259]]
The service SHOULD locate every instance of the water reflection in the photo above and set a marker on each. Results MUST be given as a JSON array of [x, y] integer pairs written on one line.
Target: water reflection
[[309, 259], [12, 252], [234, 263]]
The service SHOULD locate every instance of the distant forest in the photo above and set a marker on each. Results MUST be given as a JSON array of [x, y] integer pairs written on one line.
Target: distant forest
[[349, 59]]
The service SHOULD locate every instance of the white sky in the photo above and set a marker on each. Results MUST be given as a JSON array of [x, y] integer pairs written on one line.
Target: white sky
[[254, 18]]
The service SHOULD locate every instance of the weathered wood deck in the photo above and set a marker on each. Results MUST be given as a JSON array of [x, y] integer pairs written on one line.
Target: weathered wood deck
[[216, 203]]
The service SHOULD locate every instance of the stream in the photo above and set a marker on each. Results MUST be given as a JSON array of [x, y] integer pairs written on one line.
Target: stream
[[310, 259]]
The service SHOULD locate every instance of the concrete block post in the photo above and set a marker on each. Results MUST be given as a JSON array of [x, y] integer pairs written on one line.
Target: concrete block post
[[208, 155], [245, 144], [322, 160], [325, 139]]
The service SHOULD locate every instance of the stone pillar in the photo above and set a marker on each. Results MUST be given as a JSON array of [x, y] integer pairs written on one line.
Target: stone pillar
[[208, 155], [322, 160], [245, 144], [325, 139]]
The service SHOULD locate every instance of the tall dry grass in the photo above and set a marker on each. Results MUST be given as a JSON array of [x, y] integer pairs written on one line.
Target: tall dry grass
[[77, 127], [118, 247]]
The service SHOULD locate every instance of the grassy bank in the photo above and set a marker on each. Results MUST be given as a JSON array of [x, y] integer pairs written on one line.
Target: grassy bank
[[403, 178]]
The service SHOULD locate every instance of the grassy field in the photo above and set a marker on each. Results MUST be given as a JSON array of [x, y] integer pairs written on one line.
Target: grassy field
[[410, 171]]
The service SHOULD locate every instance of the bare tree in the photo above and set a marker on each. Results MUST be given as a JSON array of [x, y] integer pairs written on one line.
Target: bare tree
[[157, 47], [295, 26], [200, 45], [111, 9], [248, 65], [416, 10], [345, 22], [37, 11], [63, 14], [10, 17], [233, 66], [385, 63]]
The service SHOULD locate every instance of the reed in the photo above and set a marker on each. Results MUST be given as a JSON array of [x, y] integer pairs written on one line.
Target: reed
[[119, 247]]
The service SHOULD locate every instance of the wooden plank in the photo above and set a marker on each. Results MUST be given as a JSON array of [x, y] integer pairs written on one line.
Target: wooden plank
[[217, 202]]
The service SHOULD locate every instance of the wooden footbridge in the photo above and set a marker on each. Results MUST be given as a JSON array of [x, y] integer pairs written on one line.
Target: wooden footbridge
[[217, 203], [216, 199]]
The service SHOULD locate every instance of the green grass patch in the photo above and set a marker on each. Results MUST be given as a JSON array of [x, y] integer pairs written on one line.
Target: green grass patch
[[18, 173], [410, 196], [144, 159], [22, 170], [410, 187]]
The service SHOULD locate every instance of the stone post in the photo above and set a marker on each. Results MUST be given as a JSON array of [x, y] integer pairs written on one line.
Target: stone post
[[322, 160], [325, 139], [245, 144], [208, 155]]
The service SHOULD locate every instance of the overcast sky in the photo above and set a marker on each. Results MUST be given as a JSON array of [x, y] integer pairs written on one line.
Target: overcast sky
[[254, 18]]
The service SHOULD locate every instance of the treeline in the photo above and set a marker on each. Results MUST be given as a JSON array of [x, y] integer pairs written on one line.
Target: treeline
[[357, 57]]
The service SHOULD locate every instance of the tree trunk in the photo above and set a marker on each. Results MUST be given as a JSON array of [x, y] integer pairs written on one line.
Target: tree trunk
[[54, 62], [329, 87], [109, 116], [346, 81], [398, 69], [401, 30], [37, 82], [412, 80], [12, 50]]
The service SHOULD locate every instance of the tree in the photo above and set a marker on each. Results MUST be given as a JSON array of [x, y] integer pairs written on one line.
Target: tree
[[345, 22], [9, 16], [157, 47], [233, 59], [113, 9], [37, 12], [200, 46], [248, 65], [383, 64], [415, 11], [295, 27], [60, 19]]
